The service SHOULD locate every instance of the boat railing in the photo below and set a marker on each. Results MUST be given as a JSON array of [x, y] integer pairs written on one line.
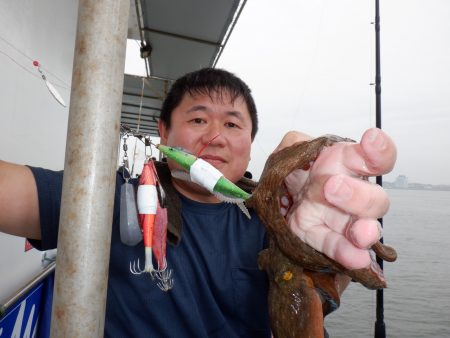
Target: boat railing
[[27, 288]]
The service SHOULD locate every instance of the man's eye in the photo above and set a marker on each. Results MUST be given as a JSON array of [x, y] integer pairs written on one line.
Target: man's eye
[[198, 121], [231, 125]]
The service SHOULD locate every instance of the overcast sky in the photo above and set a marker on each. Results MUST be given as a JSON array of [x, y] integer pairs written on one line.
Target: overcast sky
[[310, 65]]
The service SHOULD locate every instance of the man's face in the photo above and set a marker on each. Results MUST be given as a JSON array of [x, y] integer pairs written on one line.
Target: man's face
[[218, 126]]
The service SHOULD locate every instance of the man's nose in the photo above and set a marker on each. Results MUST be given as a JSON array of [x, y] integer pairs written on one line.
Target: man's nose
[[212, 128], [213, 136]]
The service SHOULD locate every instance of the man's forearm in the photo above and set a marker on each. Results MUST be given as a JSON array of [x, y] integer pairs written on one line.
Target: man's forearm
[[19, 206]]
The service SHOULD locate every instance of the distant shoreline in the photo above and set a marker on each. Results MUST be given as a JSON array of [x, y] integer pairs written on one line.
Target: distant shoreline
[[417, 186]]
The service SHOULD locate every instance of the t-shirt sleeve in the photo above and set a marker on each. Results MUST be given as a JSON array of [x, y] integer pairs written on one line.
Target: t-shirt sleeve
[[49, 188]]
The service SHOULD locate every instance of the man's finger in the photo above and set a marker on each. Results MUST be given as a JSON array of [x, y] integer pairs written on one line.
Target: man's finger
[[356, 197], [337, 247], [374, 155], [364, 232]]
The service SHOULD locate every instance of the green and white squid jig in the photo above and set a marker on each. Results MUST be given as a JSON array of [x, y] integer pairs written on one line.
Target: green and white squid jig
[[204, 174]]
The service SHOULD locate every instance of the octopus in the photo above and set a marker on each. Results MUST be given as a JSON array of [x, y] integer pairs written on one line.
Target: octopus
[[302, 289]]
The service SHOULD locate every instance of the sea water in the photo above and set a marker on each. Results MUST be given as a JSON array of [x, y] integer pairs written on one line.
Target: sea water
[[417, 300]]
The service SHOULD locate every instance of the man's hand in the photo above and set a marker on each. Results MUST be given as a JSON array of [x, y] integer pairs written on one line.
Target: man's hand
[[333, 209]]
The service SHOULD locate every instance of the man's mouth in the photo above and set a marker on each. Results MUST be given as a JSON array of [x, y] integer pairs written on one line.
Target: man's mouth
[[213, 160]]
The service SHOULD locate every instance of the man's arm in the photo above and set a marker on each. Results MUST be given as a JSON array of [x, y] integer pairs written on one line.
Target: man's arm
[[19, 205]]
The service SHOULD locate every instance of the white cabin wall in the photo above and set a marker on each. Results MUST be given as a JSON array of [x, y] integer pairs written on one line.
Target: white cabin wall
[[33, 125]]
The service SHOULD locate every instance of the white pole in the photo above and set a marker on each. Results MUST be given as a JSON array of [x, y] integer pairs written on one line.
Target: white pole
[[89, 176]]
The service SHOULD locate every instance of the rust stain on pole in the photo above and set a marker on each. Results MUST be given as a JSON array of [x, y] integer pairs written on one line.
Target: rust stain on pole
[[89, 177]]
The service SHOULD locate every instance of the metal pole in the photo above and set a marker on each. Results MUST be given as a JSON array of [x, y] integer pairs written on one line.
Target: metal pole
[[89, 178], [380, 327], [377, 65]]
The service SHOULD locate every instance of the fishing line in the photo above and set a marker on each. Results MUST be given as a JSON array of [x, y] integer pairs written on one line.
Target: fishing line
[[207, 144], [66, 86], [27, 70], [140, 106], [134, 155], [49, 85], [17, 63], [138, 125], [153, 90]]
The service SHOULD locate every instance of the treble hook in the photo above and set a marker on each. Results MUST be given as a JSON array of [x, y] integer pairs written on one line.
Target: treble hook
[[165, 279], [164, 276], [135, 269]]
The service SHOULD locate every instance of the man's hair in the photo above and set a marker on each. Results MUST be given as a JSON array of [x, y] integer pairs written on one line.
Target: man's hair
[[211, 82]]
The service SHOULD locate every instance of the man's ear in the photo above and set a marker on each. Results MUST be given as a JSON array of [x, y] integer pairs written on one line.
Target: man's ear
[[163, 132]]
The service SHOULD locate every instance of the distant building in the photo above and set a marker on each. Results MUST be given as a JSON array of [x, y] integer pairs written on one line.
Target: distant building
[[401, 182]]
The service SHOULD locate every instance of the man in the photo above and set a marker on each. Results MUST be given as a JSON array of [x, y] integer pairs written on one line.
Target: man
[[219, 290]]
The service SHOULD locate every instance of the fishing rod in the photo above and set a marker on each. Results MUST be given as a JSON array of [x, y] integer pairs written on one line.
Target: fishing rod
[[380, 327]]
